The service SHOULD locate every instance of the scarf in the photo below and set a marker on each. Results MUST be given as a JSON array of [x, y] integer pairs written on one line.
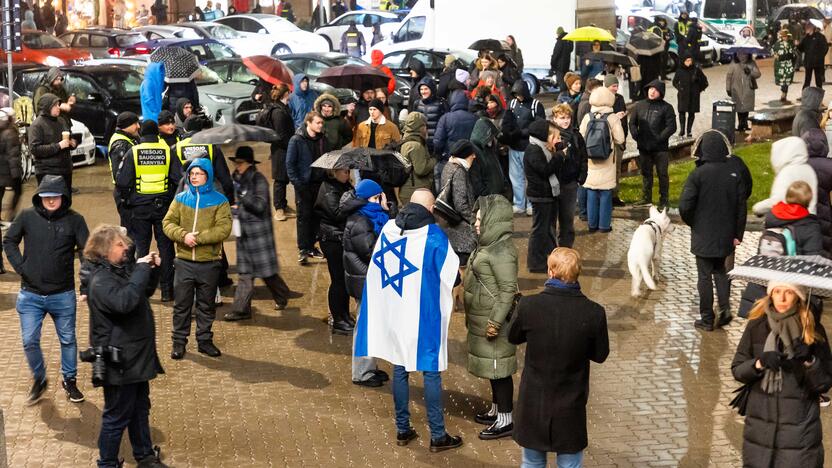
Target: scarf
[[786, 328], [553, 178], [556, 283], [375, 214]]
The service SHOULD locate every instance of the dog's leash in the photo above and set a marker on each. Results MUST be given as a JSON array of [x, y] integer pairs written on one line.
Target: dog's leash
[[656, 228]]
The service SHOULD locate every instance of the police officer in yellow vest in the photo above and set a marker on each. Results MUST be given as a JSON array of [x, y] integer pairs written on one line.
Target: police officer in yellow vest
[[681, 32], [352, 41], [150, 174], [167, 128], [123, 139], [660, 29]]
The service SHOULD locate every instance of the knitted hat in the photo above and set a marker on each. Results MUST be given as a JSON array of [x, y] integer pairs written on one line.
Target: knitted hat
[[367, 188], [570, 79], [462, 149], [462, 75], [149, 128], [377, 104], [450, 59], [801, 291], [126, 119], [610, 79], [165, 117]]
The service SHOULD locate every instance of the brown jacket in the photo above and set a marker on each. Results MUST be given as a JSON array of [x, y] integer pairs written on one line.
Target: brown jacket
[[386, 132]]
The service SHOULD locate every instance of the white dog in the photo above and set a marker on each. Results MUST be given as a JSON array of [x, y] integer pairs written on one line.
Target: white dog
[[646, 250]]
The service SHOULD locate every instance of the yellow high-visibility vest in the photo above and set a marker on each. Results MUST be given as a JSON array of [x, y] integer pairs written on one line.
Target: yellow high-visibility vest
[[187, 151], [116, 137], [152, 161]]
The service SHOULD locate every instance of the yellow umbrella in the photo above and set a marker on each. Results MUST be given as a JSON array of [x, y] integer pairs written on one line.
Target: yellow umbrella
[[590, 34]]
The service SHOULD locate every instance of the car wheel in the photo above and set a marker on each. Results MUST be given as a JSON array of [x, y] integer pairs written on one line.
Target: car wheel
[[281, 49], [532, 83], [328, 42]]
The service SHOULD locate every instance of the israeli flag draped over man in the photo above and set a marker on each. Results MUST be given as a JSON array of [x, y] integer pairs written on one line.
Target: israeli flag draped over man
[[408, 298]]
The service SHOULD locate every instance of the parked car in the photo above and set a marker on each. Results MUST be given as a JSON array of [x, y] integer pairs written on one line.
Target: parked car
[[433, 60], [364, 20], [166, 31], [289, 38], [243, 44], [104, 42], [46, 49], [204, 49], [627, 21]]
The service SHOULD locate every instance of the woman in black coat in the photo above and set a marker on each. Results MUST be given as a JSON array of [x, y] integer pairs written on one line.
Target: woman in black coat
[[10, 166], [689, 81], [784, 357], [330, 237], [564, 331], [280, 120], [120, 316], [541, 165]]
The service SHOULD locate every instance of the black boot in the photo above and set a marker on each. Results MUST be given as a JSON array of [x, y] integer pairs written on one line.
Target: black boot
[[445, 442]]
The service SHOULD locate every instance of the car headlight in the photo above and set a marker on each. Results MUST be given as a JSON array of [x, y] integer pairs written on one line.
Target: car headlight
[[53, 61], [221, 99]]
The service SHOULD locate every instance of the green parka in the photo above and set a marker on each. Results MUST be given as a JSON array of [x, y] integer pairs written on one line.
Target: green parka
[[490, 284], [415, 150]]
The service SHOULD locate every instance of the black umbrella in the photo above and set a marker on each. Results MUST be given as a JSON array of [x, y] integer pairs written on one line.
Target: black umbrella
[[487, 44], [386, 167], [812, 272], [609, 56], [233, 133], [181, 66], [645, 43], [351, 158], [357, 77]]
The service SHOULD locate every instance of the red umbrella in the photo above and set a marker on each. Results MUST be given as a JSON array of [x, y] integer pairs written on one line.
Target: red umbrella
[[357, 77], [270, 69]]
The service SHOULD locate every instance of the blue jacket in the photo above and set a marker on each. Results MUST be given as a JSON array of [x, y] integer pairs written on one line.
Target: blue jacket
[[151, 90], [454, 125], [301, 102], [300, 155]]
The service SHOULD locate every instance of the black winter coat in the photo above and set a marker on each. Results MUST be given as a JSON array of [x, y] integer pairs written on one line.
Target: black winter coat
[[283, 124], [564, 331], [713, 201], [121, 316], [457, 124], [806, 232], [690, 82], [359, 240], [448, 83], [782, 429], [328, 209], [814, 48], [44, 138], [538, 170], [302, 151], [653, 122], [523, 113], [51, 240], [10, 165], [619, 106], [574, 167], [432, 108], [823, 169], [561, 54]]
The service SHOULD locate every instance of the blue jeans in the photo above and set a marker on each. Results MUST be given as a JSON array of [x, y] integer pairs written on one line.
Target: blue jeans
[[599, 208], [582, 201], [433, 401], [536, 459], [32, 308], [517, 177]]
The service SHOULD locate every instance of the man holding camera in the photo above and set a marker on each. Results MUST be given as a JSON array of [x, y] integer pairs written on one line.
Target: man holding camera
[[51, 233], [122, 331]]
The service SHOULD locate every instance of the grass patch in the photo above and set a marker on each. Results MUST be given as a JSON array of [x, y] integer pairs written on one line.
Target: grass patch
[[756, 157]]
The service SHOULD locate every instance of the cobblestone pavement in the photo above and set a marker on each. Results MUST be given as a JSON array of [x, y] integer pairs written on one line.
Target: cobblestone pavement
[[281, 393]]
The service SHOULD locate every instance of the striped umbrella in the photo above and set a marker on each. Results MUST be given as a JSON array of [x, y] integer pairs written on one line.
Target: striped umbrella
[[270, 69], [812, 272]]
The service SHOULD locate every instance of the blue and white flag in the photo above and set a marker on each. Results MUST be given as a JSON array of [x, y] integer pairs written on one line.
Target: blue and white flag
[[408, 299]]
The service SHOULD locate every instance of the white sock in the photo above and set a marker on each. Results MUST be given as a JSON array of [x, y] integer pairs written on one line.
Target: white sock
[[493, 410], [503, 420]]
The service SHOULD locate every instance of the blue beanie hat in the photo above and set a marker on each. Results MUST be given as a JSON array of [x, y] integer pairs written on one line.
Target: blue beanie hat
[[367, 188]]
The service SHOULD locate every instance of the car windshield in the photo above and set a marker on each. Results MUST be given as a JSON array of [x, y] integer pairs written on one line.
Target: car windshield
[[207, 76], [348, 60], [42, 41], [277, 24], [121, 84], [220, 51], [467, 56], [127, 40], [221, 31], [725, 9]]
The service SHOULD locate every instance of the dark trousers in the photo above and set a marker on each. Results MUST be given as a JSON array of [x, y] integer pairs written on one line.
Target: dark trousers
[[542, 237], [307, 222], [711, 272], [743, 121], [194, 281], [17, 188], [564, 214], [686, 122], [245, 291], [339, 300], [819, 76], [280, 177], [646, 162], [66, 175], [125, 407], [145, 224], [502, 393]]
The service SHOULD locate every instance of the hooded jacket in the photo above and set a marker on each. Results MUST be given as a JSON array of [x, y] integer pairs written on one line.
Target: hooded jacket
[[575, 164], [10, 165], [804, 227], [414, 216], [486, 174], [561, 54], [336, 129], [540, 164], [808, 117], [601, 173], [790, 161], [301, 102], [524, 111], [152, 88], [51, 240], [712, 201], [45, 137], [689, 82], [490, 284], [738, 84], [202, 210], [823, 170], [455, 125], [432, 108], [377, 59], [359, 240], [302, 151], [283, 124], [45, 87], [328, 208], [415, 150], [417, 66], [179, 117], [653, 121]]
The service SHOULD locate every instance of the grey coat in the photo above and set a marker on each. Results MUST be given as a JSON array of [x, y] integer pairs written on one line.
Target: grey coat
[[738, 85], [256, 254], [462, 236]]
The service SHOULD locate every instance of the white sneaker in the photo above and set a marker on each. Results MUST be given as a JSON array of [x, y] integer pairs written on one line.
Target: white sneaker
[[529, 211], [516, 210], [824, 401]]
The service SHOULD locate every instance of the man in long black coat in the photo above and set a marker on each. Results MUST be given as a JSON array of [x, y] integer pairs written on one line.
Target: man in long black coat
[[560, 58], [814, 47]]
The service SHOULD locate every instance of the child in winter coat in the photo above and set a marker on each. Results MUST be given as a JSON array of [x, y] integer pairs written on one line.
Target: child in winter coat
[[789, 159]]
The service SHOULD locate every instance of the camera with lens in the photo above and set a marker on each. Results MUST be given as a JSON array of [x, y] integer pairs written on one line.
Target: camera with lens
[[100, 356]]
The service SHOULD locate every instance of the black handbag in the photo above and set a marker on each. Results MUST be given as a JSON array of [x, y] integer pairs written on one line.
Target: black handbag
[[444, 205], [740, 402]]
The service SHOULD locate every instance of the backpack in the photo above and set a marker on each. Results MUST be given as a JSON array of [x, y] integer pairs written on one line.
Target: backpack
[[264, 117], [777, 242], [598, 145]]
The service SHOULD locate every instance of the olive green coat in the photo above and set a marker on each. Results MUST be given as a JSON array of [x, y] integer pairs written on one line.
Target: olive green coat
[[490, 284], [415, 150]]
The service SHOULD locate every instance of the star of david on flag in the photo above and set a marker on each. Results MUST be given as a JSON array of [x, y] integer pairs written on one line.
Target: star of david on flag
[[405, 268]]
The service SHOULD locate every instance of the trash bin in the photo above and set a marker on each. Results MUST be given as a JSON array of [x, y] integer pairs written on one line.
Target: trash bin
[[724, 118]]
